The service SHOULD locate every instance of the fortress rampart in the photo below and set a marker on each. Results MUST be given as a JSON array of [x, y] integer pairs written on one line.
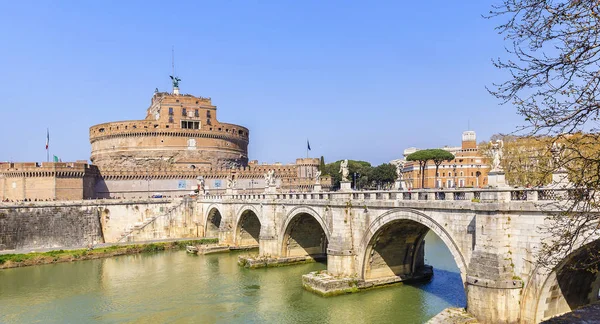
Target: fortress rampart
[[47, 181], [178, 130]]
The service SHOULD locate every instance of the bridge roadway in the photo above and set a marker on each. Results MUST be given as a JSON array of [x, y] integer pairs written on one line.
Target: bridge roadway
[[377, 237]]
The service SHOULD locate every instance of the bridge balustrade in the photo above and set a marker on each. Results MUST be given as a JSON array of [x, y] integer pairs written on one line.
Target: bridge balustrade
[[460, 196], [547, 194], [473, 195], [518, 195], [579, 194]]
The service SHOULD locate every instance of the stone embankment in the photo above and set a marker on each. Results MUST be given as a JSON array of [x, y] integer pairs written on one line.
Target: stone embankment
[[58, 256], [453, 316], [64, 224]]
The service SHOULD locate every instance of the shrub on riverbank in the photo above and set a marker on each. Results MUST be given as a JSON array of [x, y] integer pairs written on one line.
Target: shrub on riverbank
[[28, 259]]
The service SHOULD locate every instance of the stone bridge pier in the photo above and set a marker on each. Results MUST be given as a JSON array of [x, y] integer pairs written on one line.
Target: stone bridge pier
[[378, 238]]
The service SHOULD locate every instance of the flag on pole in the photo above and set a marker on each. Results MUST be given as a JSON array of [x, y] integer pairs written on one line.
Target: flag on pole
[[47, 137], [56, 158], [307, 145]]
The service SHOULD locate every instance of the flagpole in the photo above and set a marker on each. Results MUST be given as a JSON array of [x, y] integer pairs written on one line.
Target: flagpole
[[47, 145], [307, 144]]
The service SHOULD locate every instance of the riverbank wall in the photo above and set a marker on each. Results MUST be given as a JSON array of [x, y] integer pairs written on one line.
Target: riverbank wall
[[36, 225], [106, 251]]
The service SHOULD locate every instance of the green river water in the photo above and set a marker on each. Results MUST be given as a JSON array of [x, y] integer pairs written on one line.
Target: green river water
[[174, 287]]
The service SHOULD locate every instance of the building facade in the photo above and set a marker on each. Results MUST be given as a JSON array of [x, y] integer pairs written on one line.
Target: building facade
[[468, 169]]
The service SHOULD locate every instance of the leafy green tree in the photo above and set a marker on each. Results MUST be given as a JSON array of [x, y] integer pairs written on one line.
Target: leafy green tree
[[553, 82], [360, 167], [422, 157], [439, 156], [322, 166], [383, 174]]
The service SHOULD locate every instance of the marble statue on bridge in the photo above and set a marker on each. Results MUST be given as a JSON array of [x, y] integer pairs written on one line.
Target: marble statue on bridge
[[269, 178], [318, 177], [344, 170], [557, 151], [399, 170], [201, 184], [496, 148], [231, 183]]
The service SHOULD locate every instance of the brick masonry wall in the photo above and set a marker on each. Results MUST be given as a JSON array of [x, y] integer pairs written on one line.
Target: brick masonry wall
[[28, 228]]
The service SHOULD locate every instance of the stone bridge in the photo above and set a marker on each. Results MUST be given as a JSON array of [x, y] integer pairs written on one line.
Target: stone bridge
[[377, 237]]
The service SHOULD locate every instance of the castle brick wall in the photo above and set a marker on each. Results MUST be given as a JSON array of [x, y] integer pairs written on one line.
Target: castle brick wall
[[48, 181], [178, 129]]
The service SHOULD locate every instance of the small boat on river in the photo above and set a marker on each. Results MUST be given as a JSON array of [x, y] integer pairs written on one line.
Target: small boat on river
[[191, 249], [207, 249]]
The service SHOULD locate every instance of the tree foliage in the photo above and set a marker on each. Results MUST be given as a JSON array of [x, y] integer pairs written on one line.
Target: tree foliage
[[383, 175], [554, 69], [423, 156], [553, 61], [322, 166], [526, 161], [368, 177]]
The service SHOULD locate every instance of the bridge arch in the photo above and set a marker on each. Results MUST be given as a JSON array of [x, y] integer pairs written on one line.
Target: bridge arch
[[212, 221], [248, 225], [415, 221], [549, 293], [304, 232]]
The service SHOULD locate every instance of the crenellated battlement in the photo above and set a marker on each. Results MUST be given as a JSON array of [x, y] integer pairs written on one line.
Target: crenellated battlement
[[151, 128], [47, 169]]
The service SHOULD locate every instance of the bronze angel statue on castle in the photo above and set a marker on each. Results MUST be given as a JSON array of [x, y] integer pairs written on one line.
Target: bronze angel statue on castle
[[175, 81]]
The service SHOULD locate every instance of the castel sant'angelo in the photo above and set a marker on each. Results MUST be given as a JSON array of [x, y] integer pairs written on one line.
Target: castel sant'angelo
[[177, 145]]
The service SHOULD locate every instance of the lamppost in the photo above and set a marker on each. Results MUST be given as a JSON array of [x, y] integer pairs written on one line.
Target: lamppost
[[148, 184], [356, 176]]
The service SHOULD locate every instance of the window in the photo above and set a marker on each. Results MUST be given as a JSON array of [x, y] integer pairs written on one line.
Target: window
[[471, 174], [443, 174], [185, 124], [170, 110], [196, 113], [170, 119], [184, 112], [208, 121], [208, 113], [449, 174]]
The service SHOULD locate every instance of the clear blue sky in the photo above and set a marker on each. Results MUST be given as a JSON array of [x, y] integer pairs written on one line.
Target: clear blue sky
[[361, 80]]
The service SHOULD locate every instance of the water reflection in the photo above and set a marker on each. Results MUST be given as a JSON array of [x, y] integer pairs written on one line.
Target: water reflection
[[179, 288]]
